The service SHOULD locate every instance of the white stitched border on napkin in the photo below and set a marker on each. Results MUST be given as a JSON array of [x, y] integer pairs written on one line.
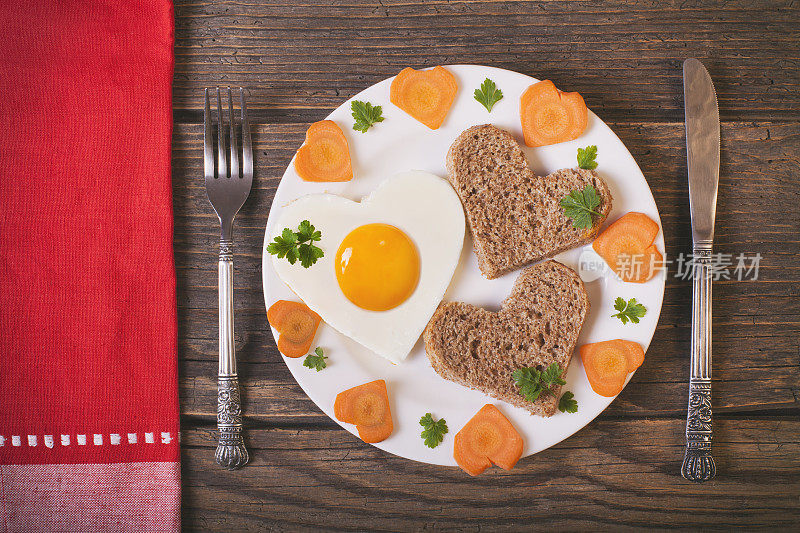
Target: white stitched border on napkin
[[97, 439]]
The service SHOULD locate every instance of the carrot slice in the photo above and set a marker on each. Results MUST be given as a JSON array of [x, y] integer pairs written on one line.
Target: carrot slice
[[487, 438], [550, 116], [297, 325], [634, 355], [326, 155], [366, 406], [426, 95], [627, 246], [608, 363]]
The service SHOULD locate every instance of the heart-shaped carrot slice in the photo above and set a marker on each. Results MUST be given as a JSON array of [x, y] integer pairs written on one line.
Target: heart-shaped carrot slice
[[366, 406], [487, 438], [297, 325], [627, 246], [608, 363], [550, 116], [426, 95], [325, 156]]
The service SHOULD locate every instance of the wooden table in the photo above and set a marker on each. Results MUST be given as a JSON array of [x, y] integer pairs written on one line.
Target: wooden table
[[299, 60]]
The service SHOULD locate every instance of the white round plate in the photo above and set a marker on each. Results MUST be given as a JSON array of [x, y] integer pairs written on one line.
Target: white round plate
[[401, 143]]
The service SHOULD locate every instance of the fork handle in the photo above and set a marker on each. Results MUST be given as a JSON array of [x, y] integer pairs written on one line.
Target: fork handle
[[698, 463], [231, 452]]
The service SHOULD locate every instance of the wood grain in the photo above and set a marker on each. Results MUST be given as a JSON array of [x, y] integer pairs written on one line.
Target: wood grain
[[613, 474], [300, 59], [623, 57]]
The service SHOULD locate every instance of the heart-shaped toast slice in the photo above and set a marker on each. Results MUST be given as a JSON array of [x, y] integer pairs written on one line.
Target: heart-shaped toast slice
[[515, 216], [537, 325]]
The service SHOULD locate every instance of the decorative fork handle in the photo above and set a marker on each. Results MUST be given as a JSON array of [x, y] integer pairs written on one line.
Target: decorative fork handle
[[698, 463], [231, 452]]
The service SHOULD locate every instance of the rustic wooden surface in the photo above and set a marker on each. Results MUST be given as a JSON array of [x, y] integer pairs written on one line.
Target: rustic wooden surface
[[299, 60]]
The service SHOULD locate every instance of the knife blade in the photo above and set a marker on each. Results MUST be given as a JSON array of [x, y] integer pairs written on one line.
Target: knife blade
[[702, 152], [702, 148]]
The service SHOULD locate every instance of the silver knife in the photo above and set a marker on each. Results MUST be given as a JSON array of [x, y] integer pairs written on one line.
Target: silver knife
[[702, 153]]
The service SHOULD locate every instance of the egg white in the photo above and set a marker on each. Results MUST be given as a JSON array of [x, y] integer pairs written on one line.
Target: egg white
[[422, 205]]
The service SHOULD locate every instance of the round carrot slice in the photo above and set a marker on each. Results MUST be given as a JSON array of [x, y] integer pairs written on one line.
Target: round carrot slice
[[325, 156], [487, 438], [550, 116], [426, 95], [297, 325]]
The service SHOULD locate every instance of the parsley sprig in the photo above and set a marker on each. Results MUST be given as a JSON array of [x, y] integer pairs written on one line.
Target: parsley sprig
[[433, 430], [488, 94], [580, 206], [533, 382], [587, 156], [630, 310], [316, 360], [294, 245], [568, 403], [365, 115]]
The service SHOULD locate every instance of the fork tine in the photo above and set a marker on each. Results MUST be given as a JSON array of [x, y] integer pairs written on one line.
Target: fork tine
[[247, 145], [234, 146], [208, 139], [222, 163]]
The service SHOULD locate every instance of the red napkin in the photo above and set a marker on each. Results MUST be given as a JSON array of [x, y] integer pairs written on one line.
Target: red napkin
[[88, 377]]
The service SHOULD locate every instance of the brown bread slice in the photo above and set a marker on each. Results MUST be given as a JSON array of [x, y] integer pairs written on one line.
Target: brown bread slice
[[514, 215], [538, 324]]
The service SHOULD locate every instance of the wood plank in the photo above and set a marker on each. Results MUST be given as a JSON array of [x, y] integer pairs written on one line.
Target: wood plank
[[301, 59], [612, 474], [659, 388], [757, 353], [624, 57]]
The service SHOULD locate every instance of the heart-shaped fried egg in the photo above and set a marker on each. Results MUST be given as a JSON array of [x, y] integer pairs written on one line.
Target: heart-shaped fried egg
[[387, 262]]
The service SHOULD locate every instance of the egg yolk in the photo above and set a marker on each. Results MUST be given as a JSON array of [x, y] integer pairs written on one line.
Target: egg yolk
[[377, 267]]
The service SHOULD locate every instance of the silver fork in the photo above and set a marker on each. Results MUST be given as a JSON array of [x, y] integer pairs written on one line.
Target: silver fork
[[227, 193]]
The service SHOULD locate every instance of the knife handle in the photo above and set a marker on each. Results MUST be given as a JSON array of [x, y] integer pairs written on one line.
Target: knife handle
[[698, 463], [231, 452]]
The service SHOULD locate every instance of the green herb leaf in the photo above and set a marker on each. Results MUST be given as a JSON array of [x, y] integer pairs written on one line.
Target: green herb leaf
[[586, 158], [365, 115], [297, 245], [567, 403], [305, 232], [488, 94], [309, 254], [529, 382], [552, 376], [533, 383], [283, 245], [580, 206], [317, 361], [632, 310], [433, 430]]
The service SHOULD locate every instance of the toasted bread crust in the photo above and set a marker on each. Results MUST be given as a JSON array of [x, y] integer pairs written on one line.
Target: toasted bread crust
[[514, 216], [538, 325]]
